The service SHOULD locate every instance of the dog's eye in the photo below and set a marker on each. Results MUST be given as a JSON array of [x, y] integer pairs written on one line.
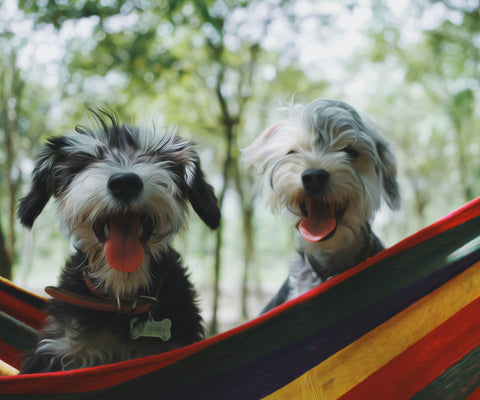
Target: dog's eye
[[350, 152], [291, 152]]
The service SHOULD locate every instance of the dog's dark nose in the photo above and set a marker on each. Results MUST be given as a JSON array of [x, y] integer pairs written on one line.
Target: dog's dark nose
[[125, 185], [314, 180]]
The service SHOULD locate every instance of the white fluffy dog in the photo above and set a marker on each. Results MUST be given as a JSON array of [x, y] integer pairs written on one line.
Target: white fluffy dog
[[328, 170]]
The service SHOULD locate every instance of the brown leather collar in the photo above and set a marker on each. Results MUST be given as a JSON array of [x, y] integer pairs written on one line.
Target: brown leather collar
[[101, 302], [138, 306]]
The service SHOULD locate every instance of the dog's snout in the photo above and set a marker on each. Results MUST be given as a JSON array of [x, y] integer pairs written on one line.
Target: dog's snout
[[314, 180], [125, 186]]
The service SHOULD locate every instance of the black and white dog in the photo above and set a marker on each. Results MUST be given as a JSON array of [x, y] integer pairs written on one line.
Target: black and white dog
[[328, 169], [122, 195]]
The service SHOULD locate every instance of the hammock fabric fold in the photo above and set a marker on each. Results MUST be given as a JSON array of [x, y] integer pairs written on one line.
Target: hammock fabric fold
[[404, 324]]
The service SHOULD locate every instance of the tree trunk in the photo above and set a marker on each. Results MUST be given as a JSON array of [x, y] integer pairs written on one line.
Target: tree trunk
[[229, 125], [243, 186], [218, 239], [248, 254], [11, 92], [462, 160], [213, 328], [230, 122], [5, 260]]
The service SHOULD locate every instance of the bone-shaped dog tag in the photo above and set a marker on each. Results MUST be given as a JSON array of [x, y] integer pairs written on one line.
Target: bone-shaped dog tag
[[151, 328]]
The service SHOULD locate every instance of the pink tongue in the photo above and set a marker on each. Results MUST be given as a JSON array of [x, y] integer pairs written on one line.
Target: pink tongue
[[123, 249], [319, 223]]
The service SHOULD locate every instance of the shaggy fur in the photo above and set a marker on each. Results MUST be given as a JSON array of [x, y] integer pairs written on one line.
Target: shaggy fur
[[327, 169], [107, 180]]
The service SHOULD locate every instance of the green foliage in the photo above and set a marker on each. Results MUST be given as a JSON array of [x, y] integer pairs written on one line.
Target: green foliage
[[462, 106], [58, 12]]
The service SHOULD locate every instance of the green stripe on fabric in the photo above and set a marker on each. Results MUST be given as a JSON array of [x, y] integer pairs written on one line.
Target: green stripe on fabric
[[16, 333], [457, 382]]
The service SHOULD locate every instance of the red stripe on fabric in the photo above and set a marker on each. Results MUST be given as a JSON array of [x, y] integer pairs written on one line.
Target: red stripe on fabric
[[475, 395], [22, 311], [423, 362], [112, 374], [10, 355], [95, 378]]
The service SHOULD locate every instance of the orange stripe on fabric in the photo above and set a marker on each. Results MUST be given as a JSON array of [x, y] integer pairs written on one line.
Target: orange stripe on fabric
[[348, 367]]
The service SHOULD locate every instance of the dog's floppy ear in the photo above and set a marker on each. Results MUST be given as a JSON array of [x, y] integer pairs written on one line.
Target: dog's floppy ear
[[388, 171], [42, 185], [255, 154], [201, 196]]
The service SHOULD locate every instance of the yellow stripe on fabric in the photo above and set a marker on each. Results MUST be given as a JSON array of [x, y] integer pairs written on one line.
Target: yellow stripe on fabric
[[7, 369], [348, 367]]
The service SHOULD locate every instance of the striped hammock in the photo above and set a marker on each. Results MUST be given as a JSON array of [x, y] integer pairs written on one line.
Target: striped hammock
[[404, 324]]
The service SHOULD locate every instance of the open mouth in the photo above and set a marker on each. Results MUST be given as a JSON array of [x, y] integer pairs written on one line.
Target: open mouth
[[320, 220], [124, 237]]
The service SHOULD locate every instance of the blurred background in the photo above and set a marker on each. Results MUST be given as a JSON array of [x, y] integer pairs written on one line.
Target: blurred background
[[220, 70]]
